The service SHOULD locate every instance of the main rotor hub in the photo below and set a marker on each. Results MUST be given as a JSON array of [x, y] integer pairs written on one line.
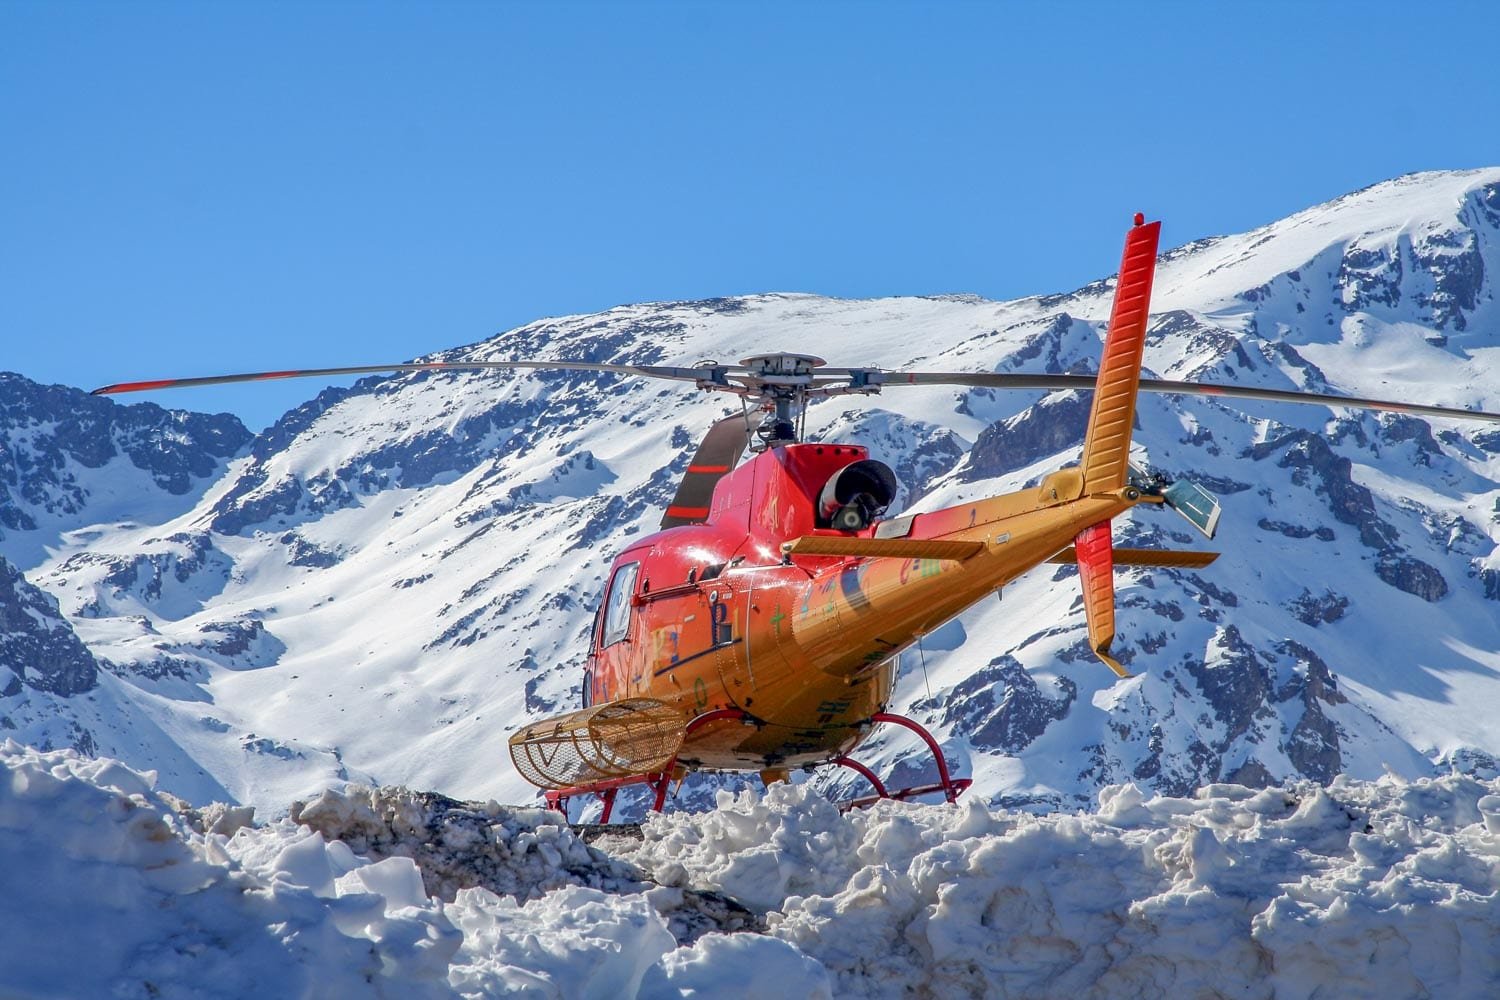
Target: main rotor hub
[[781, 385], [781, 382], [796, 369]]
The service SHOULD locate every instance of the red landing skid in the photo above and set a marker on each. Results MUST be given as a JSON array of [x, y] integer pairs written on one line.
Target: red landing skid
[[951, 788]]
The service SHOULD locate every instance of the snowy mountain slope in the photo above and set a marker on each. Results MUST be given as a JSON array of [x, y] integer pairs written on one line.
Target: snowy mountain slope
[[69, 460], [72, 467], [396, 575]]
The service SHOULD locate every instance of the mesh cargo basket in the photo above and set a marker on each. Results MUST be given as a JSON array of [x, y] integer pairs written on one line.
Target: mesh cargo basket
[[615, 740]]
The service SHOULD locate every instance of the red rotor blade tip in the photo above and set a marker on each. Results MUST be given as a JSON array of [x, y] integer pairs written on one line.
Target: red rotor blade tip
[[110, 390]]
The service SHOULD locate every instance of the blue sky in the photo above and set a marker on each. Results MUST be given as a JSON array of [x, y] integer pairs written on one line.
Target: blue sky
[[199, 188]]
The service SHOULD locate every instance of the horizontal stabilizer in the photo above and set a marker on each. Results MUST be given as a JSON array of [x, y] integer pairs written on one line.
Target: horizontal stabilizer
[[890, 548], [1175, 558]]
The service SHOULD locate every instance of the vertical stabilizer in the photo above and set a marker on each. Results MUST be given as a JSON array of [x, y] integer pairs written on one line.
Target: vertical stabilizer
[[1106, 447], [1096, 572]]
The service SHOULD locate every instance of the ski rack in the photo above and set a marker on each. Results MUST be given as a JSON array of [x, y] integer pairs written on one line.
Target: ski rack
[[660, 781]]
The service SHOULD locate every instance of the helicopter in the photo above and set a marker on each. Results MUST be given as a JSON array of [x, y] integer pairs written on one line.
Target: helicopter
[[759, 630]]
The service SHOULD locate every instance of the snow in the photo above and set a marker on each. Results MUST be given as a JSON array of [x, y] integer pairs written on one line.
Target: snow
[[1363, 217], [1362, 888]]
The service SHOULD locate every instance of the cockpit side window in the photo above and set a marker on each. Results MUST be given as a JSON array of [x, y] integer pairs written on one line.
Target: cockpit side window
[[617, 604]]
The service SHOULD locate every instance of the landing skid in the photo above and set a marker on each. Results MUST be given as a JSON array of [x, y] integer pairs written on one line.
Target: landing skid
[[661, 781]]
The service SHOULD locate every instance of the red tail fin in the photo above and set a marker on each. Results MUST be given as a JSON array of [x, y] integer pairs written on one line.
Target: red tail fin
[[1106, 447], [1096, 572]]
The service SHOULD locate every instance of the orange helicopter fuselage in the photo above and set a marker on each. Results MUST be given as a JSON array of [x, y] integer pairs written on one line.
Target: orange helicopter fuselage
[[716, 615]]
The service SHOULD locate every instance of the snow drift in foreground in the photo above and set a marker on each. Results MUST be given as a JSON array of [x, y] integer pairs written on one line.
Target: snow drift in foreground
[[1386, 888]]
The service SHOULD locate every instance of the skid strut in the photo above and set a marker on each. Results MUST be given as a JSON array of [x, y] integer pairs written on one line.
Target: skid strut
[[951, 787]]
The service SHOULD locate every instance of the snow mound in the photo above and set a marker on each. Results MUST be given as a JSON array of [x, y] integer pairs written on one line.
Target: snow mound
[[109, 892], [1384, 888], [510, 851]]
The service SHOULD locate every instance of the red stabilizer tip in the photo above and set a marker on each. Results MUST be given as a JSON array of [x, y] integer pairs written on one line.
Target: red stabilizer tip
[[1140, 218]]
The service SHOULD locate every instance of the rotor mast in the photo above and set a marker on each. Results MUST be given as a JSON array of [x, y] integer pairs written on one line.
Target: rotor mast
[[782, 384], [784, 380]]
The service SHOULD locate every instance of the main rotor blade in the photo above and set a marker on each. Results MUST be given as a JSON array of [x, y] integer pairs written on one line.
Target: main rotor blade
[[1017, 380], [653, 371], [718, 376]]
